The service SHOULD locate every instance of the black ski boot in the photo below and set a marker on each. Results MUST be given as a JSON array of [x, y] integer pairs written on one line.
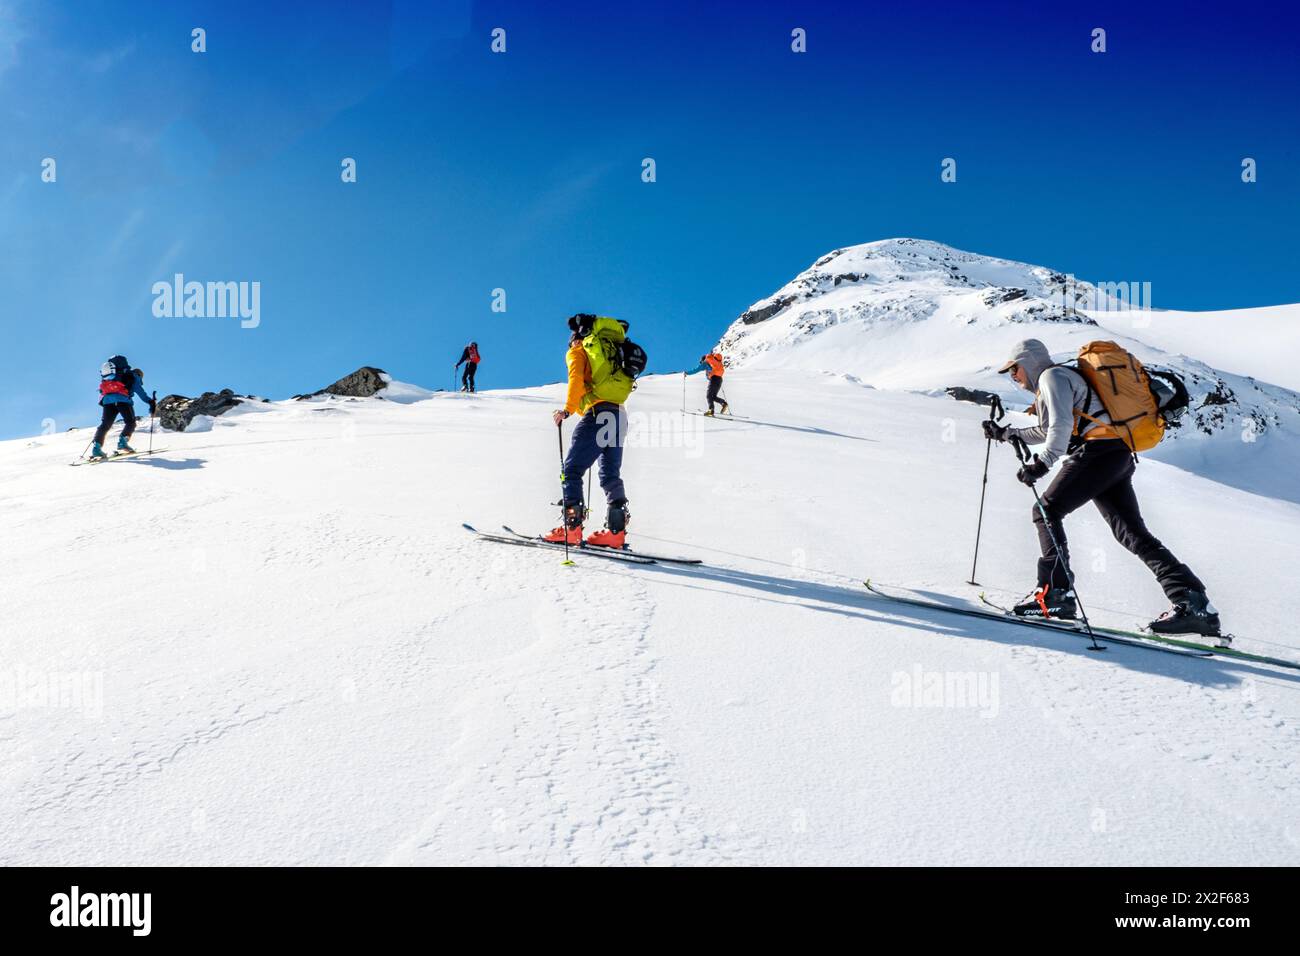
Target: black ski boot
[[1194, 614], [1048, 603], [616, 517]]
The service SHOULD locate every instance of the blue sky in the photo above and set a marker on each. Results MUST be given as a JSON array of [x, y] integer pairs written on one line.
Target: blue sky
[[522, 171]]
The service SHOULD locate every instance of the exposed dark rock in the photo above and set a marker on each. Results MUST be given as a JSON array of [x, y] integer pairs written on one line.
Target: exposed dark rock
[[754, 316], [1218, 396], [996, 295], [175, 412], [363, 383]]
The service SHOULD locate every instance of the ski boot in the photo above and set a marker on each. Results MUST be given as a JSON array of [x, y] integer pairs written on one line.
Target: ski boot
[[614, 534], [97, 453], [1194, 614], [571, 530], [725, 406], [123, 448], [1048, 603], [709, 413]]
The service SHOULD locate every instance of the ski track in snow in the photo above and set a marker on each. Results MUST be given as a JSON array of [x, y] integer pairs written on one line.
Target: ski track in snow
[[579, 771]]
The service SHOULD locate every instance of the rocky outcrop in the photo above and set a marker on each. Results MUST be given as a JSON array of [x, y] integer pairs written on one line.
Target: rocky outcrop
[[762, 313], [175, 412], [365, 382]]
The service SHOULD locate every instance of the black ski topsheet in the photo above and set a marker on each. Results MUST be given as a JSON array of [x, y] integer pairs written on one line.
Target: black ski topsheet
[[120, 456], [602, 547], [1061, 627], [1116, 634], [523, 542]]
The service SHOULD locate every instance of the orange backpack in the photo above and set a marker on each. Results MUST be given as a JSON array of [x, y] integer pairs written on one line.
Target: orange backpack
[[1125, 390]]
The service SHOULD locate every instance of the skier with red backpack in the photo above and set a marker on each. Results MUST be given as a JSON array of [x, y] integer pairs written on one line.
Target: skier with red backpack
[[468, 356], [1093, 419], [118, 384], [602, 365]]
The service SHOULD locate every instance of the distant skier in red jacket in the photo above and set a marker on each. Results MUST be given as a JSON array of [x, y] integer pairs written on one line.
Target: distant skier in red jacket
[[471, 360]]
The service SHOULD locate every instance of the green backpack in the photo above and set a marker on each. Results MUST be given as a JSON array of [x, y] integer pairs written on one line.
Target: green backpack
[[604, 347]]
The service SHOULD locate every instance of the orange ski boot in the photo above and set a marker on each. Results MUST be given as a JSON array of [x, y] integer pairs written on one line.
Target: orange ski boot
[[614, 534], [608, 539], [571, 529]]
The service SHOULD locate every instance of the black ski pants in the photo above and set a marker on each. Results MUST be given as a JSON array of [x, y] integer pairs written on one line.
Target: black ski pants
[[715, 384], [467, 378], [1102, 472], [110, 413]]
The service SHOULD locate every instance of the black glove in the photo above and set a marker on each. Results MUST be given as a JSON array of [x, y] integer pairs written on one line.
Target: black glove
[[1032, 470], [153, 406], [995, 431]]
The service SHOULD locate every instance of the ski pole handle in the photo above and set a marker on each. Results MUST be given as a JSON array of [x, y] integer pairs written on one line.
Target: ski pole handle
[[1022, 449]]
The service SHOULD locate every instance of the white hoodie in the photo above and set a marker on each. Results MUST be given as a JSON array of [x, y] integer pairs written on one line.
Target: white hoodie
[[1059, 391]]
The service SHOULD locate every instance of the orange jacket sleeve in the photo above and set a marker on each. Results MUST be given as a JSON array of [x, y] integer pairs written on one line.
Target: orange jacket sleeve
[[579, 379]]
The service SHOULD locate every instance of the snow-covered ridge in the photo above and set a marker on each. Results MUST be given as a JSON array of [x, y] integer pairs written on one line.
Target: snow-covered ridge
[[919, 315]]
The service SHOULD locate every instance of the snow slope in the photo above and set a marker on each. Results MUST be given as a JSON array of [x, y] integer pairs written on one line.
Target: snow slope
[[1262, 342], [304, 659]]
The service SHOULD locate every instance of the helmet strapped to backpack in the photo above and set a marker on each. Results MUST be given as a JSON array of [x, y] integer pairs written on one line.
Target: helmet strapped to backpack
[[581, 324]]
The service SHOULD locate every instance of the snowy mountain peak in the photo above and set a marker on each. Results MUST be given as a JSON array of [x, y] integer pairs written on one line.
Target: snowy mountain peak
[[907, 277], [922, 316]]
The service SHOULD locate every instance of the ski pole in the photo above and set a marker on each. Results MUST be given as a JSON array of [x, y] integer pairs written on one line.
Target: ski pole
[[1022, 452], [153, 407], [564, 516], [996, 412]]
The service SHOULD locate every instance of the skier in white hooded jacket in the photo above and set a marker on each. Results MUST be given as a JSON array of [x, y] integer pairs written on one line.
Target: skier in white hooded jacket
[[1096, 466]]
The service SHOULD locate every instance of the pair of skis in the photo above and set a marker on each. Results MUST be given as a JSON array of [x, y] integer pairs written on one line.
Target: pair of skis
[[1153, 642], [118, 456], [991, 611], [625, 555], [724, 416]]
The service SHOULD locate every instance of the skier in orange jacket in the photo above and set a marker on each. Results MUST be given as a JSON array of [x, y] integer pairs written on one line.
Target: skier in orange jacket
[[712, 363]]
